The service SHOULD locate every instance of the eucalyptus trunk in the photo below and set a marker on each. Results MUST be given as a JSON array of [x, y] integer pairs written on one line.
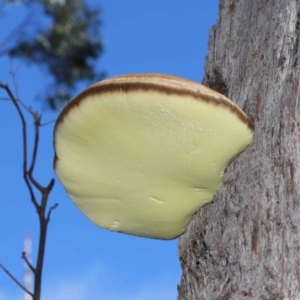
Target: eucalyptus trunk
[[246, 244]]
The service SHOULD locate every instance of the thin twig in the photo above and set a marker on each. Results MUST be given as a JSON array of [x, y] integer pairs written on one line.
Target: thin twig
[[24, 106], [24, 139], [19, 27], [50, 211], [37, 120], [30, 181], [47, 123], [30, 266], [13, 75], [27, 108], [46, 193], [15, 280], [13, 33]]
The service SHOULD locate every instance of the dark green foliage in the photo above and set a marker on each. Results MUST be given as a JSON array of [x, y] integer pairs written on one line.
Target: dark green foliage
[[68, 45]]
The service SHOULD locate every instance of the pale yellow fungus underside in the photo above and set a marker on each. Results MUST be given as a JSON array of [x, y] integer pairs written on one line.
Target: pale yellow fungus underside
[[140, 154]]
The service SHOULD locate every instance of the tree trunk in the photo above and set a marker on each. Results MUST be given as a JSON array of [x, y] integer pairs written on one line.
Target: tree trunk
[[246, 244]]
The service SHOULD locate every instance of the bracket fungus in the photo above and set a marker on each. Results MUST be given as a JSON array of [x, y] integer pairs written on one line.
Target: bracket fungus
[[141, 153]]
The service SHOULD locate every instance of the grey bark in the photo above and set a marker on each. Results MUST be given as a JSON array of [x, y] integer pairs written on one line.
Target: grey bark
[[246, 244]]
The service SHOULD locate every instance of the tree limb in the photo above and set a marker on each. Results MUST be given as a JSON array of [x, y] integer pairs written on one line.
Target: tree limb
[[15, 280], [24, 139], [41, 207]]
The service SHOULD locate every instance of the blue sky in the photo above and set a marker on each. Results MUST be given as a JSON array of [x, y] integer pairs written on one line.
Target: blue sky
[[82, 260]]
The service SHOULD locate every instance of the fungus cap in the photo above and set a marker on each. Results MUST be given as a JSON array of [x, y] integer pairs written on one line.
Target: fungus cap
[[141, 153]]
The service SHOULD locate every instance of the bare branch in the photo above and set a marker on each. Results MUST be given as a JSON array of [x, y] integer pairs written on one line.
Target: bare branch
[[18, 29], [44, 221], [30, 266], [45, 193], [24, 139], [50, 211], [46, 123], [30, 181], [16, 280], [28, 109], [37, 121], [51, 185], [13, 74]]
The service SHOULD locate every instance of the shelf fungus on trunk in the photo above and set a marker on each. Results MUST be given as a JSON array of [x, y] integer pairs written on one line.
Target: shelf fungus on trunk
[[141, 153]]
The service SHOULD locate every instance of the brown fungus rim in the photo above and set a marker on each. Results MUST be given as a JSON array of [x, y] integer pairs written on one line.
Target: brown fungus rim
[[168, 84]]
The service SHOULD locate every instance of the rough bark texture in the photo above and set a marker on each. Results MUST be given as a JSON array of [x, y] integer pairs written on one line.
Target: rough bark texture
[[246, 244]]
